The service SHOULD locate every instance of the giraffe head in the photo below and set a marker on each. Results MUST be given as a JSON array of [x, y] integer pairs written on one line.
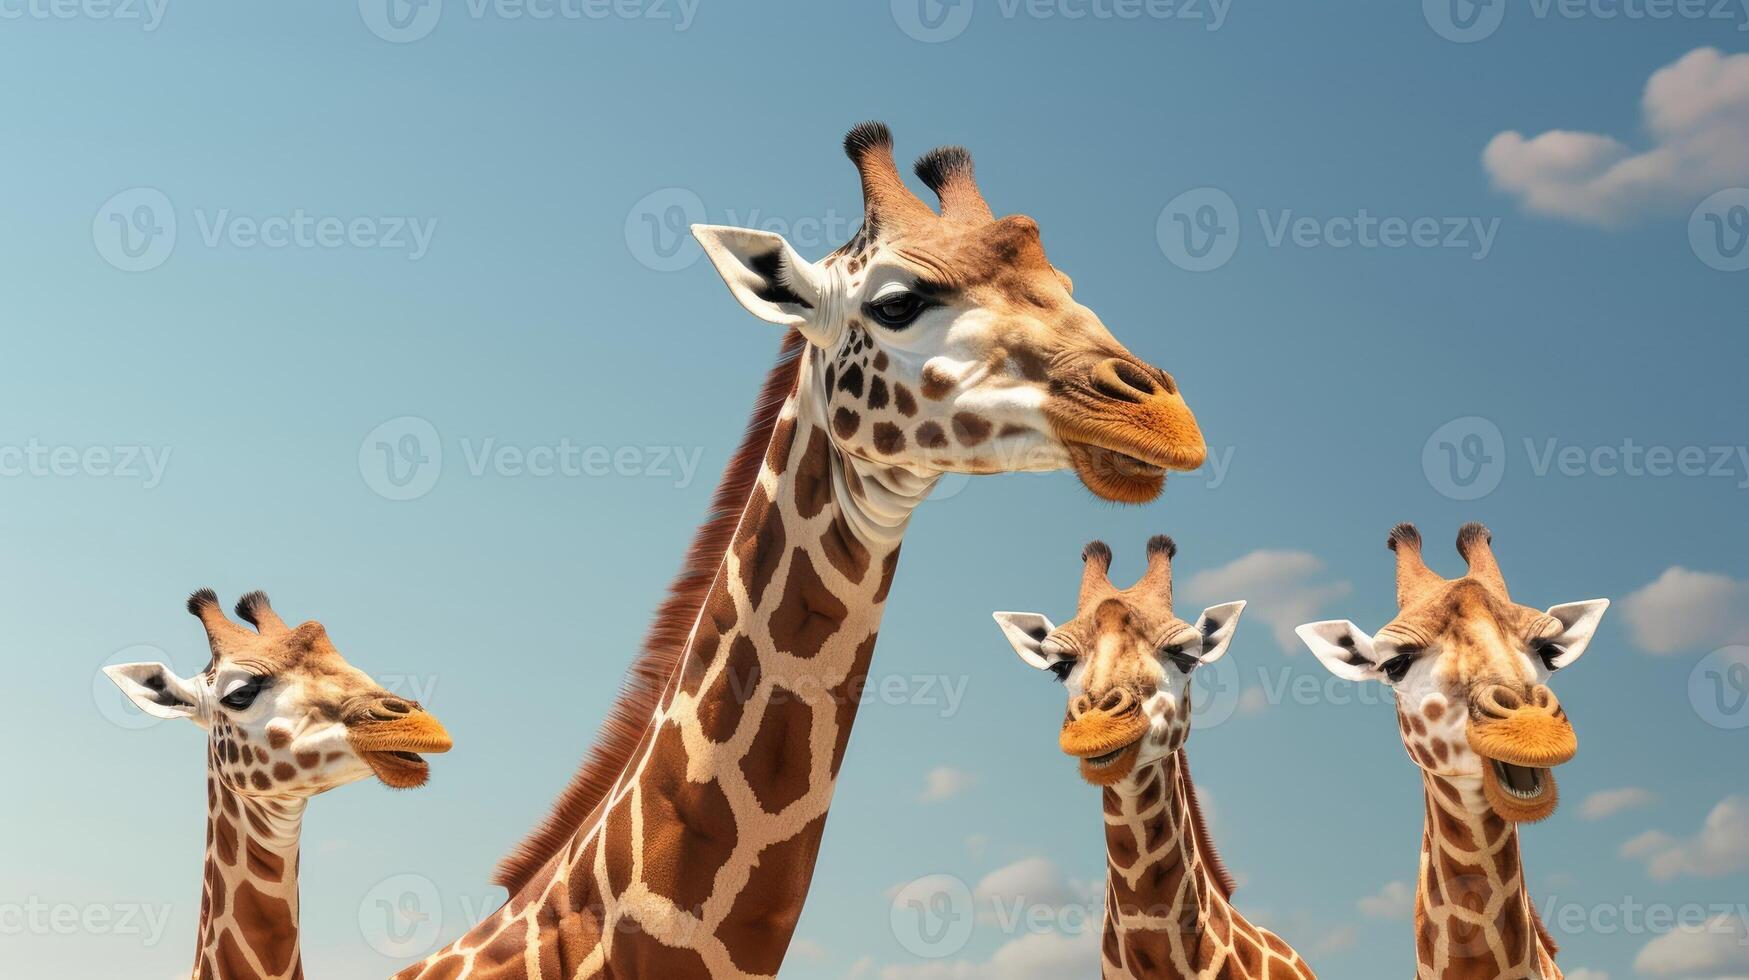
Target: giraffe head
[[948, 342], [1126, 661], [285, 713], [1470, 670]]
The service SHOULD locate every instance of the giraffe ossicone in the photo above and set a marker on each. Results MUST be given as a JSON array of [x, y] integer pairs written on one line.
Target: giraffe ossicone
[[1469, 670], [287, 718], [1126, 662], [934, 342]]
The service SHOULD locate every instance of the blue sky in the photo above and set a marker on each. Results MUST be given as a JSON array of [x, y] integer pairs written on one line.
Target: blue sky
[[466, 221]]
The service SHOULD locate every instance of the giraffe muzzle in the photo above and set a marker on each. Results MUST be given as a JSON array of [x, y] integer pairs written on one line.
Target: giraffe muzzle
[[391, 734], [1124, 425], [1105, 734], [1520, 737]]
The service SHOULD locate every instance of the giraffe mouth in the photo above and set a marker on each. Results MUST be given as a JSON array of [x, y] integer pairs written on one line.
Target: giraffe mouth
[[1521, 794], [1115, 475], [1109, 767], [398, 769]]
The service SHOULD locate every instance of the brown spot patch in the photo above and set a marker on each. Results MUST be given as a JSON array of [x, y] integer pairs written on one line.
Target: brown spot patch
[[930, 436], [970, 429], [813, 487], [719, 712], [761, 547], [758, 926], [851, 381], [877, 393], [689, 829], [779, 761], [278, 737], [267, 926], [809, 613], [845, 422], [844, 550], [232, 964], [888, 439], [903, 400], [782, 435]]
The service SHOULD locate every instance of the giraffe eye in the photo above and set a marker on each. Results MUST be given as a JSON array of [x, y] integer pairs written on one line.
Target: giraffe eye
[[1548, 653], [1398, 666], [1182, 658], [243, 697], [1062, 668], [896, 312]]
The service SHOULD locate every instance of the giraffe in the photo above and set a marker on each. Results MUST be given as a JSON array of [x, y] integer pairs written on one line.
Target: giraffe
[[287, 717], [1469, 670], [930, 343], [1126, 661]]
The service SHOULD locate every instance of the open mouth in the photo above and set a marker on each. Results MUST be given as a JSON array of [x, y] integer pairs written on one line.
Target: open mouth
[[398, 768], [1115, 475], [1522, 794], [1107, 768]]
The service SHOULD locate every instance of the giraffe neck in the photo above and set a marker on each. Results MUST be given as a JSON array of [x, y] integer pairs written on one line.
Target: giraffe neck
[[1167, 912], [697, 862], [249, 898], [1470, 864]]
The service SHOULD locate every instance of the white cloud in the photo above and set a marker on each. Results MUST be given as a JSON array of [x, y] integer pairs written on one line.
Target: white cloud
[[1034, 956], [1719, 944], [1696, 111], [1584, 974], [1030, 883], [1281, 588], [1396, 900], [1686, 610], [1336, 940], [1721, 847], [943, 782], [807, 949], [1609, 802]]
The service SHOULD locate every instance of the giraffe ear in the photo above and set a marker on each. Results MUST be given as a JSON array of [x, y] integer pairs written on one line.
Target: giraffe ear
[[764, 274], [1026, 632], [1217, 624], [155, 690], [1579, 623], [1343, 648]]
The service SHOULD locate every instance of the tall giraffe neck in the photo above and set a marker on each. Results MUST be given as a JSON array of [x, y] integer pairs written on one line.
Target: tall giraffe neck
[[249, 897], [698, 860], [1473, 914], [1167, 912]]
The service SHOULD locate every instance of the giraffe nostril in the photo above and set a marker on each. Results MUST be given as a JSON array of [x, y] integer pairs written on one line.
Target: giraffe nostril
[[1498, 701], [394, 706], [1115, 701], [1117, 378], [1079, 705]]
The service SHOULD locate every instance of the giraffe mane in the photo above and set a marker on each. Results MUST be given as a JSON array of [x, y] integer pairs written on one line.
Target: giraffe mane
[[1542, 929], [1205, 845], [648, 676]]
